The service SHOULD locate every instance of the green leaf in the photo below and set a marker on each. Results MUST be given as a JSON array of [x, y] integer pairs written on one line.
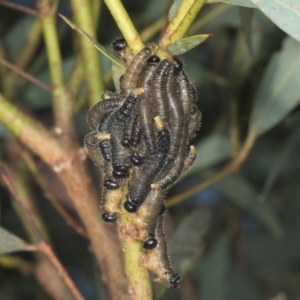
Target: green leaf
[[279, 91], [98, 46], [174, 9], [246, 16], [11, 243], [186, 44], [245, 3], [243, 194], [186, 245], [117, 72], [284, 13], [209, 154], [15, 38], [215, 268]]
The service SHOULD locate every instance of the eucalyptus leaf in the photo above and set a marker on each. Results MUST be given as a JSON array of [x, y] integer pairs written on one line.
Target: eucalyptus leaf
[[215, 268], [246, 16], [243, 194], [15, 38], [11, 243], [284, 13], [186, 44], [117, 72], [98, 46], [244, 3], [186, 245], [209, 154], [279, 91]]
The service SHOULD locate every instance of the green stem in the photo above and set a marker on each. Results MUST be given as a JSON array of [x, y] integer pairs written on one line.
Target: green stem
[[91, 59], [125, 25], [139, 284], [181, 22], [62, 104]]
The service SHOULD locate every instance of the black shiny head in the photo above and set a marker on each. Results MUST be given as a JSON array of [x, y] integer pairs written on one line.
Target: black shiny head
[[119, 44], [130, 207], [162, 210], [154, 59], [174, 281], [136, 159], [126, 142], [109, 217], [150, 244], [121, 172], [178, 64], [111, 184]]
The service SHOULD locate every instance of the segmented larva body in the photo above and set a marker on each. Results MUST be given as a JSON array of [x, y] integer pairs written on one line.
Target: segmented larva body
[[91, 145], [120, 46], [109, 102], [146, 217], [140, 187], [144, 109], [130, 77], [157, 259]]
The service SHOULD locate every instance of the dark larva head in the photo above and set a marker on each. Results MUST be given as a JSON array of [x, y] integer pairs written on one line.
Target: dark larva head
[[109, 217], [121, 172], [130, 207], [119, 44], [125, 142], [111, 184], [154, 59], [150, 244], [136, 159], [174, 281], [178, 64], [162, 210]]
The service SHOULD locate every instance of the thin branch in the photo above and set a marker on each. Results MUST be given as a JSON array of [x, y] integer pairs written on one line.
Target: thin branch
[[25, 75], [125, 25], [89, 55], [18, 7], [61, 272], [26, 156], [62, 104], [230, 168]]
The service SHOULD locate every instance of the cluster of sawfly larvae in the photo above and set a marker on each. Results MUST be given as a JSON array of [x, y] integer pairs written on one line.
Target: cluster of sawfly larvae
[[141, 136]]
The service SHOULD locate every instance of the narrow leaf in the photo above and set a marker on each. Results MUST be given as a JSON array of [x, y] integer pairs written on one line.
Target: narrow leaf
[[187, 244], [279, 91], [11, 243], [186, 44], [244, 3], [214, 271], [284, 13], [246, 15], [242, 193], [98, 46], [209, 154]]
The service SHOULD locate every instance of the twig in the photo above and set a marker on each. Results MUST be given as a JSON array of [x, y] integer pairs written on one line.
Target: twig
[[41, 182], [89, 55], [181, 22], [47, 250], [62, 104], [139, 285], [228, 169], [125, 25], [25, 75], [18, 7]]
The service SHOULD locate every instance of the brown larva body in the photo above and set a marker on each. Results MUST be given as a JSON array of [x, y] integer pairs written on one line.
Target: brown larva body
[[157, 259], [129, 79]]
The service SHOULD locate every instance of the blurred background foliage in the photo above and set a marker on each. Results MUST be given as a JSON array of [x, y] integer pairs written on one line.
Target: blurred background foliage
[[239, 237]]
